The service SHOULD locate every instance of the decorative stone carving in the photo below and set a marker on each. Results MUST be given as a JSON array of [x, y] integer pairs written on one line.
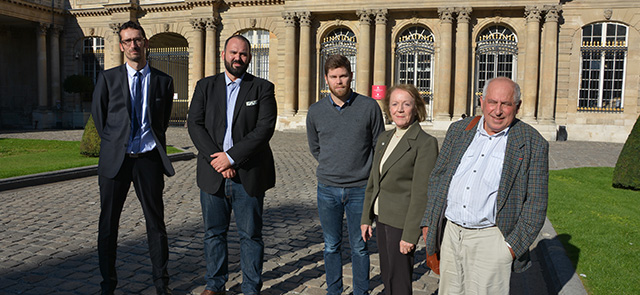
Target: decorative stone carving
[[304, 17], [381, 16], [212, 23], [608, 13], [464, 14], [532, 13], [115, 27], [446, 14], [553, 13], [198, 24], [289, 18], [365, 16], [43, 28]]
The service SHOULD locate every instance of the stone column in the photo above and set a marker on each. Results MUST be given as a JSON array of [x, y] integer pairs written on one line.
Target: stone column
[[530, 91], [55, 63], [210, 56], [289, 63], [380, 52], [461, 92], [363, 64], [304, 68], [42, 65], [197, 59], [548, 72], [443, 94], [115, 53]]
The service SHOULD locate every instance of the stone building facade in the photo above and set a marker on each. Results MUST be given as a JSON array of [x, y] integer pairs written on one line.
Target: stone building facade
[[574, 60]]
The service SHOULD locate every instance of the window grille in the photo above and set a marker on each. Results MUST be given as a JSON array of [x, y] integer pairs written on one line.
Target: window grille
[[92, 57], [414, 62], [496, 56], [259, 65], [602, 67], [339, 41]]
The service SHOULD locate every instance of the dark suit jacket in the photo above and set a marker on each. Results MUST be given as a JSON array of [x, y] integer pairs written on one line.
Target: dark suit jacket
[[254, 121], [402, 186], [111, 109], [522, 194]]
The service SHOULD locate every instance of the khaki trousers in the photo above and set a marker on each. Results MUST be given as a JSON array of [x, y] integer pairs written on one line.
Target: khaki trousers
[[474, 261]]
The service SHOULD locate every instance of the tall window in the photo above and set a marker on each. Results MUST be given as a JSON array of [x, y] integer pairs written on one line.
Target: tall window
[[259, 65], [414, 62], [92, 57], [496, 56], [339, 41], [604, 55]]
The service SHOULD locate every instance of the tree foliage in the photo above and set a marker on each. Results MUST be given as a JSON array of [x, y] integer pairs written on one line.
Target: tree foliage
[[627, 172], [90, 143]]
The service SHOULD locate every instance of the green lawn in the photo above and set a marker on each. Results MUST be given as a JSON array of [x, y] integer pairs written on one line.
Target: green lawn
[[599, 227], [28, 156]]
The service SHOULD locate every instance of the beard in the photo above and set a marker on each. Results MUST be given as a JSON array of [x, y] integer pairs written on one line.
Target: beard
[[236, 72]]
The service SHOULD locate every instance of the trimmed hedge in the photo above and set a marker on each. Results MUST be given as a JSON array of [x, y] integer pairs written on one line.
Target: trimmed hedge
[[90, 144], [627, 172]]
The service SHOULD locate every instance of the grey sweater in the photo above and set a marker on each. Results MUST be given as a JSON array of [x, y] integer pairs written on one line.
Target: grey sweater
[[343, 141]]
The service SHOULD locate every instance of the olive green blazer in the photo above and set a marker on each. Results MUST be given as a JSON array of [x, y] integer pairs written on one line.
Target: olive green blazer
[[402, 185]]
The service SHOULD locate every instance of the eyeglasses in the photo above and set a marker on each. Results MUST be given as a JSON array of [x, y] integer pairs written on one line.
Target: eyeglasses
[[138, 41]]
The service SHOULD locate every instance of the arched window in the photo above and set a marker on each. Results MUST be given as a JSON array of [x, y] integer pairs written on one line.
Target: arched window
[[92, 57], [414, 62], [259, 65], [339, 41], [602, 67], [496, 56]]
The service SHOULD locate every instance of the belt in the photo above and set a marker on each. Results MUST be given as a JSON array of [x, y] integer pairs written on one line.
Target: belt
[[472, 228], [138, 155]]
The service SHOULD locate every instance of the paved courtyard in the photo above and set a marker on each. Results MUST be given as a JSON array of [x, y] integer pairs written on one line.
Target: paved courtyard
[[48, 232]]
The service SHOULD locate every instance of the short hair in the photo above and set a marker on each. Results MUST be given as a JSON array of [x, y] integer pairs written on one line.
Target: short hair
[[131, 25], [336, 61], [516, 89], [420, 111], [243, 38]]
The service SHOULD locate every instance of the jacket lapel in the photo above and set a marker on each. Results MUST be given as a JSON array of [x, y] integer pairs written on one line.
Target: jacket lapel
[[151, 95], [401, 148], [218, 103], [125, 90], [245, 87], [513, 157]]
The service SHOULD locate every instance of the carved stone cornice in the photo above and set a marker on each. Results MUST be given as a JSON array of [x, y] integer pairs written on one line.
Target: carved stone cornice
[[304, 17], [233, 3], [553, 13], [532, 13], [464, 14], [289, 18], [446, 14], [365, 16]]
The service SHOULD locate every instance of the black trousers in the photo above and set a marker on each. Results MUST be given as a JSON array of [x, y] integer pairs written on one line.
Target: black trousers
[[396, 268], [146, 173]]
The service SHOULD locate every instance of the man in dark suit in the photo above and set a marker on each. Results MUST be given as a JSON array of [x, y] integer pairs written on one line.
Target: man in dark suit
[[490, 182], [231, 120], [131, 109]]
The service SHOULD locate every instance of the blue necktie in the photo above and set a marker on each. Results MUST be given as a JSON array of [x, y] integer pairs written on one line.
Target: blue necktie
[[136, 113]]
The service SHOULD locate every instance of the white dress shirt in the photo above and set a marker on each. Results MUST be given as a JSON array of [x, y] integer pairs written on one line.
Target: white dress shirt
[[147, 143], [471, 201]]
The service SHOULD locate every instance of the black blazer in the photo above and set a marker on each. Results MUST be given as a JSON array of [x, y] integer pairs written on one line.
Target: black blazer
[[254, 121], [111, 109]]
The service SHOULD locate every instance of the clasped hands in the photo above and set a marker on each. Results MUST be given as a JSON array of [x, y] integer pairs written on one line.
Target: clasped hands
[[367, 233], [221, 164]]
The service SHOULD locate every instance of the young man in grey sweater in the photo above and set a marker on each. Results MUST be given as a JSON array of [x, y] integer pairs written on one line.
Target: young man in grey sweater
[[342, 130]]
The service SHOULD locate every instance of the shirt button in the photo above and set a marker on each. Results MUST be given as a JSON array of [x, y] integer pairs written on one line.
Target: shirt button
[[464, 223], [464, 206], [474, 171], [467, 187], [482, 155]]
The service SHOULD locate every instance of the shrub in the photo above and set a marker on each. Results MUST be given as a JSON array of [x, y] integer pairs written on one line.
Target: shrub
[[627, 171], [90, 144]]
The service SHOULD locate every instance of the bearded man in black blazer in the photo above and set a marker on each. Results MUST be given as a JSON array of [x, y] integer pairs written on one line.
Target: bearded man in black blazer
[[231, 120], [131, 109]]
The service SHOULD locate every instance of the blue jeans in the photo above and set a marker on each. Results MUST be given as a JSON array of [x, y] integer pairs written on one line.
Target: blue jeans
[[216, 212], [333, 202]]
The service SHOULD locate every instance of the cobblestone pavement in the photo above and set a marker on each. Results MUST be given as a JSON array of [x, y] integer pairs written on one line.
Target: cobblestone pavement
[[48, 233]]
